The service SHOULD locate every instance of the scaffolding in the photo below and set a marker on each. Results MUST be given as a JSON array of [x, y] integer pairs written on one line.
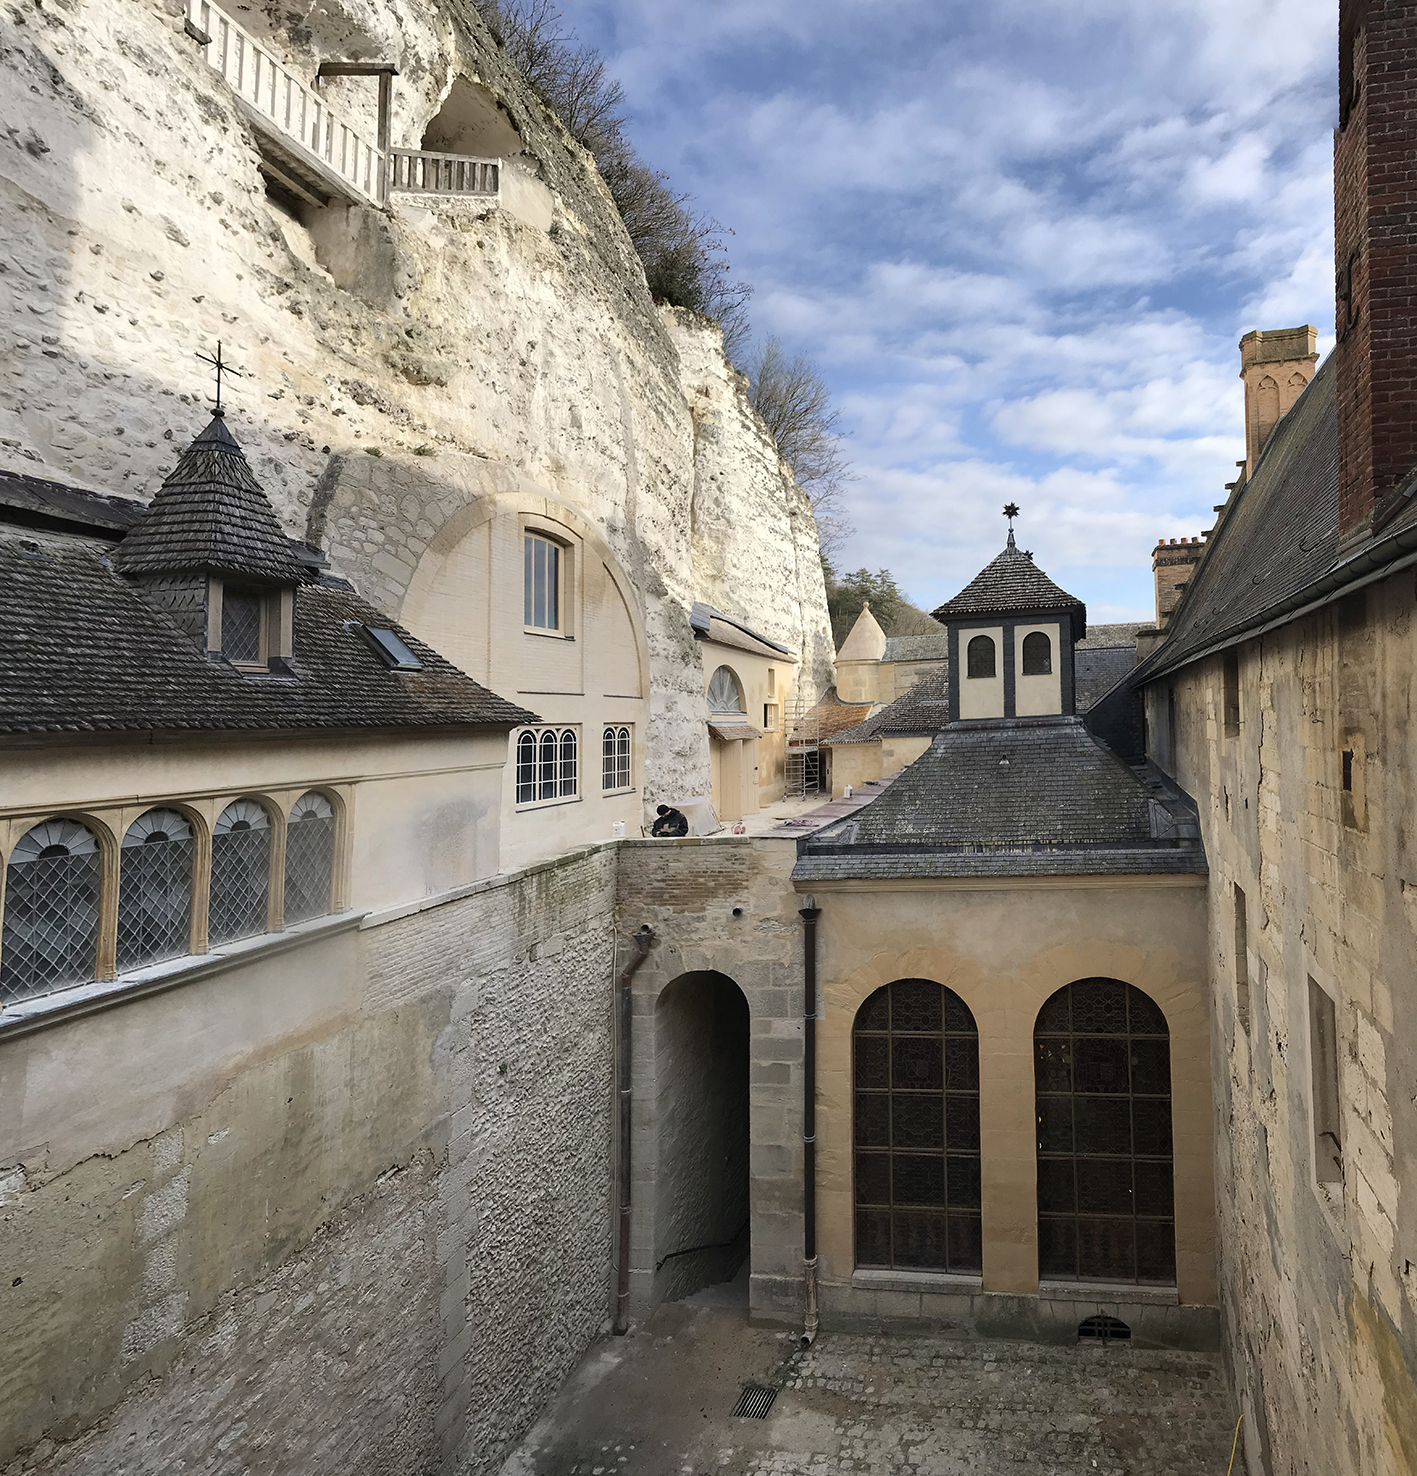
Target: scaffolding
[[804, 773]]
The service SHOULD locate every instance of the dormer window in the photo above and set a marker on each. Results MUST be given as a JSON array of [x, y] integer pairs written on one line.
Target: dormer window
[[241, 621]]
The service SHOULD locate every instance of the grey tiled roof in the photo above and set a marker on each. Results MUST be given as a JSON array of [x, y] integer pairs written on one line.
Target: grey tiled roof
[[709, 624], [1097, 669], [1011, 584], [932, 646], [1022, 798], [38, 503], [82, 651], [211, 515], [923, 709], [1124, 634]]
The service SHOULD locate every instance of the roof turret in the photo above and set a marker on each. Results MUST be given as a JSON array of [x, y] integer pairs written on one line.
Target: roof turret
[[1012, 584], [211, 515]]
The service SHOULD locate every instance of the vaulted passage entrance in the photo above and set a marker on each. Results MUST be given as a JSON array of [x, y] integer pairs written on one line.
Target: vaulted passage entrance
[[916, 1074], [701, 1117], [1106, 1209]]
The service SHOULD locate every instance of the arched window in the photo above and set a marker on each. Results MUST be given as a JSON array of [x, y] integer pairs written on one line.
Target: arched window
[[568, 763], [615, 758], [241, 872], [916, 1078], [725, 695], [155, 889], [1037, 654], [526, 768], [980, 654], [1103, 1071], [546, 783], [309, 858], [52, 887]]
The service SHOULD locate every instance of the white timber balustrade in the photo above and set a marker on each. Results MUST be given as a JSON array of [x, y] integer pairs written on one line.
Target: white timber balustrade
[[280, 100], [420, 172]]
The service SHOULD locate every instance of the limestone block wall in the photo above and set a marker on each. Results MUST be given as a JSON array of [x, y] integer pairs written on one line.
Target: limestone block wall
[[1319, 1284], [332, 1211], [398, 364]]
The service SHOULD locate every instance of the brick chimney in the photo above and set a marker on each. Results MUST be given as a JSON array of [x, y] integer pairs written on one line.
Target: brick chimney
[[1276, 364], [1375, 239], [1172, 563]]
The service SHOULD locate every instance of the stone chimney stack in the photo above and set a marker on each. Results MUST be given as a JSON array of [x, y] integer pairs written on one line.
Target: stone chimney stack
[[1276, 364], [1172, 563], [1375, 240]]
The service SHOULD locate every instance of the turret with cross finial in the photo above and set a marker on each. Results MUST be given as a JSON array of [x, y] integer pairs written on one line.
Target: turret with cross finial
[[221, 367]]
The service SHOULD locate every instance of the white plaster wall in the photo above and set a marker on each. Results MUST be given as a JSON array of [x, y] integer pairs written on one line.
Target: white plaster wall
[[981, 697], [1037, 696]]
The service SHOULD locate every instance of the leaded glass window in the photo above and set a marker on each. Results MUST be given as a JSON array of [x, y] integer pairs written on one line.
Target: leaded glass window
[[541, 589], [52, 895], [1106, 1212], [1037, 654], [241, 872], [980, 657], [725, 695], [240, 624], [526, 768], [568, 763], [155, 889], [916, 1138], [615, 759], [309, 858]]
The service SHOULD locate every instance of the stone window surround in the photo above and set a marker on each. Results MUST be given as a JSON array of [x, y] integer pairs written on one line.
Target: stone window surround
[[568, 572], [1331, 1195], [109, 823]]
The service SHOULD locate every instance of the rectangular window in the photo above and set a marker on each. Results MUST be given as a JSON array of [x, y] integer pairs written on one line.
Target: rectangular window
[[772, 681], [1232, 693], [1348, 770], [1242, 962], [241, 625], [770, 711], [541, 583], [1323, 1062], [615, 758]]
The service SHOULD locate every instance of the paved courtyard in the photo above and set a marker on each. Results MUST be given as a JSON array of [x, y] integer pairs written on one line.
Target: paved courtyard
[[659, 1403]]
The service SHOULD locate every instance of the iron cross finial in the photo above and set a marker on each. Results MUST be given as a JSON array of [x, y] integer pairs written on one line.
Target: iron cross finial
[[221, 367]]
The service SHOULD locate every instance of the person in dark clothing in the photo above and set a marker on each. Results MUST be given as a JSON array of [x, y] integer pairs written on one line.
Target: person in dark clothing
[[670, 822]]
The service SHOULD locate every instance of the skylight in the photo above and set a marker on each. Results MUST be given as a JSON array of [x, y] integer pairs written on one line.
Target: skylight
[[392, 650]]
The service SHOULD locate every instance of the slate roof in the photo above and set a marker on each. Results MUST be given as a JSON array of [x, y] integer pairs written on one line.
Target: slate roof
[[1012, 584], [1275, 548], [1097, 669], [709, 624], [1025, 798], [82, 651], [211, 515], [932, 646], [1124, 634], [38, 503], [923, 709]]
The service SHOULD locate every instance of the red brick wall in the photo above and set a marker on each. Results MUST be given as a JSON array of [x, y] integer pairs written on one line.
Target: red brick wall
[[1172, 564], [1375, 251]]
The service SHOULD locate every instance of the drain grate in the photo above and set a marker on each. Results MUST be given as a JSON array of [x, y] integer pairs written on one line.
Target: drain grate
[[754, 1402]]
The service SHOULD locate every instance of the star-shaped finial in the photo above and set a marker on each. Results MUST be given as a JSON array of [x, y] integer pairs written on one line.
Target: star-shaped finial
[[1011, 512]]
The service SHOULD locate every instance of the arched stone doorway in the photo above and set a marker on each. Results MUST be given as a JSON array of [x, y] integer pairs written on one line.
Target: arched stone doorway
[[1106, 1202], [701, 1201]]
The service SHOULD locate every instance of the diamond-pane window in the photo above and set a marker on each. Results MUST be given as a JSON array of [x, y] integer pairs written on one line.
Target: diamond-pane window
[[240, 624], [241, 871], [52, 892], [155, 889], [309, 858]]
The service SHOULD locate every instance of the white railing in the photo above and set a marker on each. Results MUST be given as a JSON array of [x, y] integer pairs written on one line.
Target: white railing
[[420, 172], [282, 99]]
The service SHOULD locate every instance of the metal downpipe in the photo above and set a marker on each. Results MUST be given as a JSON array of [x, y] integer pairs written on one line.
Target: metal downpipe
[[642, 939], [809, 915]]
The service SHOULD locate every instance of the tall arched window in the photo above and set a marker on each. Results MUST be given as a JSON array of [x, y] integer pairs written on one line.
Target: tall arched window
[[725, 695], [615, 758], [980, 657], [241, 872], [526, 768], [546, 782], [52, 890], [155, 889], [916, 1077], [568, 763], [309, 858], [1037, 654], [1105, 1200]]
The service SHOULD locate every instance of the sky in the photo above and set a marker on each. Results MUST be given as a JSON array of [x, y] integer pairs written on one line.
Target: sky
[[1019, 239]]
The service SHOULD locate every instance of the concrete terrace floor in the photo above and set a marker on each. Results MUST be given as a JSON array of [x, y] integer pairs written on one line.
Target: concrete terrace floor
[[658, 1402]]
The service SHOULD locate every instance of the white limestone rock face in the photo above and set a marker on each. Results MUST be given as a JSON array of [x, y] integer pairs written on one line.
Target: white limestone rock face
[[453, 344]]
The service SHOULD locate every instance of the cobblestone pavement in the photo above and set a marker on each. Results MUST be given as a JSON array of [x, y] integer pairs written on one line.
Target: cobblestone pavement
[[658, 1403]]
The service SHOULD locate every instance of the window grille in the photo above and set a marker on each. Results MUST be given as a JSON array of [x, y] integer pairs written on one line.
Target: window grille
[[155, 889], [980, 655], [309, 858], [724, 693], [916, 1101], [615, 759], [1037, 654], [541, 593], [240, 624], [568, 763], [546, 779], [52, 894], [241, 872], [1105, 1194], [526, 768]]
